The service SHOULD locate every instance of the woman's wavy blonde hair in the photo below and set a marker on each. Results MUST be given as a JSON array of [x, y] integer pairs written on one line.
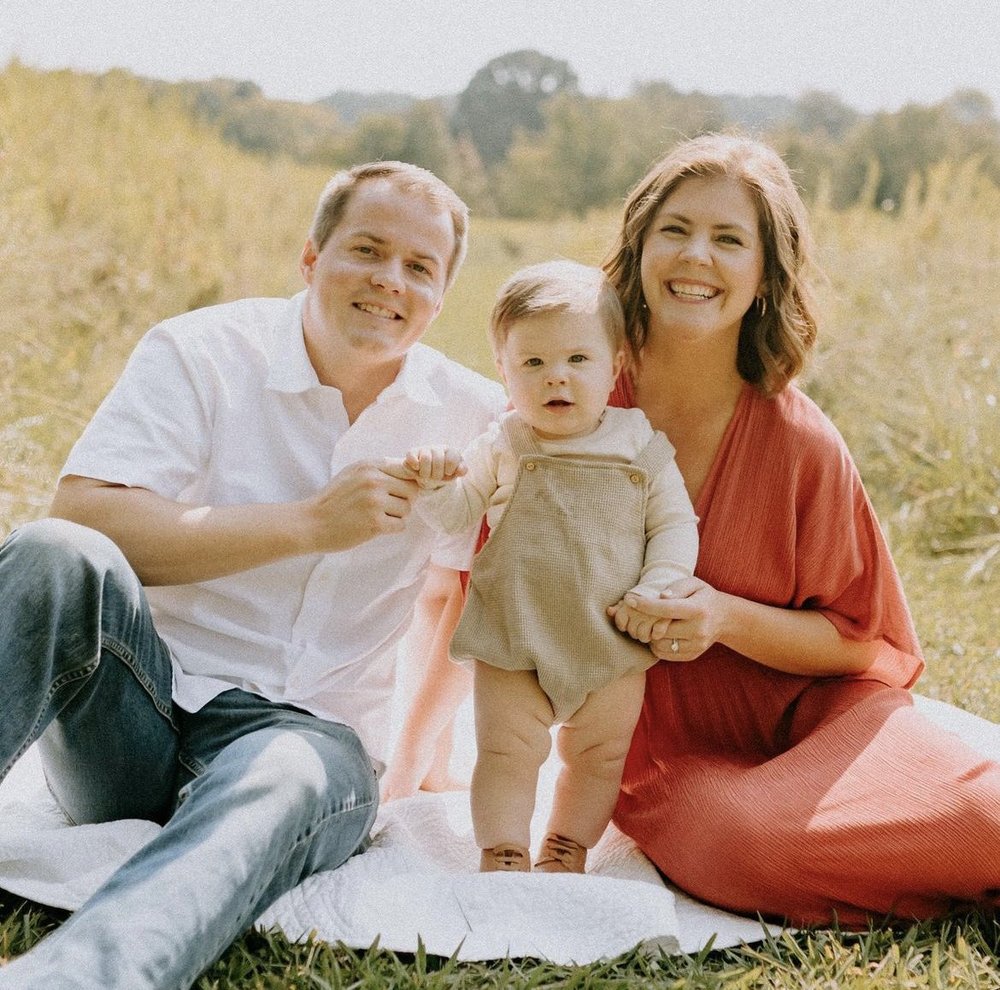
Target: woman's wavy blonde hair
[[777, 334]]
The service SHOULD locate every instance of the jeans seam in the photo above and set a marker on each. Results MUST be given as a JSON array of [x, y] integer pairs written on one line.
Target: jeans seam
[[307, 833], [67, 677], [127, 657]]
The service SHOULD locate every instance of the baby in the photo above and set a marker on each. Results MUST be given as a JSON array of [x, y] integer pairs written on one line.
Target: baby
[[585, 504]]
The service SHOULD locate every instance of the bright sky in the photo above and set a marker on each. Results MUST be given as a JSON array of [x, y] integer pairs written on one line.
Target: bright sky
[[873, 54]]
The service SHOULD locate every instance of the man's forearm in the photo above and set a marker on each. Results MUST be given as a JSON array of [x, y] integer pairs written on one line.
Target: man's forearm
[[167, 542]]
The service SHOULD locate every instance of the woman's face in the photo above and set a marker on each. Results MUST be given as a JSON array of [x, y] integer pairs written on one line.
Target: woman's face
[[702, 260]]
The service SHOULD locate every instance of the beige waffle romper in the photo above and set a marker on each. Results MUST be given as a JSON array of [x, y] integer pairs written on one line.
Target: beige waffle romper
[[571, 542]]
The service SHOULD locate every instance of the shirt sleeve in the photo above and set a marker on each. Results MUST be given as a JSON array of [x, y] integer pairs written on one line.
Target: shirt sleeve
[[153, 429], [671, 533]]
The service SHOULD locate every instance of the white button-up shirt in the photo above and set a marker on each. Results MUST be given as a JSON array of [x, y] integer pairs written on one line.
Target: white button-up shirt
[[222, 406]]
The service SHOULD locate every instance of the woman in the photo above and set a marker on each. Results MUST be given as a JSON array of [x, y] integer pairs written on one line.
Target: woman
[[779, 766]]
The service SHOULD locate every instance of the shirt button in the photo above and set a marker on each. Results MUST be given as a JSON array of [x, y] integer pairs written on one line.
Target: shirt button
[[529, 466], [635, 478]]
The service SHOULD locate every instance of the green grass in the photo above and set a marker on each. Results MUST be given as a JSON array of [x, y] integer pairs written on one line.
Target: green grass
[[150, 216], [957, 953]]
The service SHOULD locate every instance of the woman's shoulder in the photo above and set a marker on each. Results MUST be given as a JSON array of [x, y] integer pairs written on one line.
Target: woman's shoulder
[[797, 417], [794, 425]]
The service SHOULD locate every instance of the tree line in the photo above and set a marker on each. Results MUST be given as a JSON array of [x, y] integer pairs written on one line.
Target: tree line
[[522, 140]]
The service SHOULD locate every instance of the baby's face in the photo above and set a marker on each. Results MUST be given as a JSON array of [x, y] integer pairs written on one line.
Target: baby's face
[[559, 369]]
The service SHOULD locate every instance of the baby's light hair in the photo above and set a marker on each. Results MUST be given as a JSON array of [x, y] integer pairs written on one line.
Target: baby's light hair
[[556, 286]]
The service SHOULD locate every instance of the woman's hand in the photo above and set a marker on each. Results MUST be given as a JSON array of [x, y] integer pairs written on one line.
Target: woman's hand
[[689, 617]]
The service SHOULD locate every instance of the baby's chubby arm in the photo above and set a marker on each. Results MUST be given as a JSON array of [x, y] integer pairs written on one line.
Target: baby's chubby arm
[[455, 488], [433, 467], [671, 553]]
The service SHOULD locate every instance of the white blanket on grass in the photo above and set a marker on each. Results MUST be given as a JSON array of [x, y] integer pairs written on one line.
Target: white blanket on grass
[[416, 884]]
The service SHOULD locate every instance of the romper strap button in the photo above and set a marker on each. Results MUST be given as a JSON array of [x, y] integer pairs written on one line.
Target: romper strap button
[[635, 478], [529, 466]]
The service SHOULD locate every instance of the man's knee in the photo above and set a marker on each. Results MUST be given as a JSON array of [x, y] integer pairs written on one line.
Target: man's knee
[[321, 771], [49, 548]]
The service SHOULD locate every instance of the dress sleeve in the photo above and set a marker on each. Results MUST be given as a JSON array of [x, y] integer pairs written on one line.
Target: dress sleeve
[[843, 566]]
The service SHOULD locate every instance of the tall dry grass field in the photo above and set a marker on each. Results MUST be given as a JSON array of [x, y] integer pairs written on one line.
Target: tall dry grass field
[[116, 212]]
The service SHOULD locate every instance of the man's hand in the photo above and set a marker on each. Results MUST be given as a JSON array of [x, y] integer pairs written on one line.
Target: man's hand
[[432, 467], [365, 500]]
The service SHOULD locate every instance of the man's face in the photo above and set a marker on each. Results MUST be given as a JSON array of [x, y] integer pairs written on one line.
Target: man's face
[[379, 280]]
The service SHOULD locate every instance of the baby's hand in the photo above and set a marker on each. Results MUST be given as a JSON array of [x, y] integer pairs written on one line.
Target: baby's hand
[[433, 467], [629, 619]]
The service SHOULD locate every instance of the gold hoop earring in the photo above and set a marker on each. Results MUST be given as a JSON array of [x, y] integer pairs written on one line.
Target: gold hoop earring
[[762, 304]]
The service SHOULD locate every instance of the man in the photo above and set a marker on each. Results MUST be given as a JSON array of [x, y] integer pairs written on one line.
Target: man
[[245, 473]]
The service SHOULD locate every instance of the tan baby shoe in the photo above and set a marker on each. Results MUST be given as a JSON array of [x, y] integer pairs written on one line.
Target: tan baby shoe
[[506, 858], [560, 855]]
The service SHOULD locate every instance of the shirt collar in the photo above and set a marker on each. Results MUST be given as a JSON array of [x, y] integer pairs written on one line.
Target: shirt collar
[[413, 380], [290, 369]]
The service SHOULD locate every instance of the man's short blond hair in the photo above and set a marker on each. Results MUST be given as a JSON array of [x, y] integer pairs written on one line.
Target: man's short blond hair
[[408, 179], [556, 286]]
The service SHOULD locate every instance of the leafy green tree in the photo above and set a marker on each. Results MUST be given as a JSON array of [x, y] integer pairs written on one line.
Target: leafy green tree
[[507, 95], [426, 141], [377, 137], [823, 114], [570, 167], [905, 145]]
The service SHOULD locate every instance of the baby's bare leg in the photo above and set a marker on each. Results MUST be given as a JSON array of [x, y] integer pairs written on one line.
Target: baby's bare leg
[[593, 744], [513, 718]]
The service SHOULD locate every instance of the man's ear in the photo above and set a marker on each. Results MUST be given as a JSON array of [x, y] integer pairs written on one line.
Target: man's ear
[[307, 260]]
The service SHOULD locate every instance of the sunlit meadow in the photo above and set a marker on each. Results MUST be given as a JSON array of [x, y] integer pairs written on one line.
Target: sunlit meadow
[[114, 214]]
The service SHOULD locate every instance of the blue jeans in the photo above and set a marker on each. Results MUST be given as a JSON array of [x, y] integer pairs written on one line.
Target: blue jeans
[[253, 796]]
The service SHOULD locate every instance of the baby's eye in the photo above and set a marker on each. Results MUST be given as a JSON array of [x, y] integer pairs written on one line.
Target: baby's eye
[[533, 363], [577, 358]]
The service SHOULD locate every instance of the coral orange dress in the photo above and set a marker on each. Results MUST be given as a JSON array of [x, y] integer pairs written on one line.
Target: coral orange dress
[[804, 798]]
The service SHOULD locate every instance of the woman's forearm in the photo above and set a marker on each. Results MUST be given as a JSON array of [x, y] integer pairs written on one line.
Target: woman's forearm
[[796, 641]]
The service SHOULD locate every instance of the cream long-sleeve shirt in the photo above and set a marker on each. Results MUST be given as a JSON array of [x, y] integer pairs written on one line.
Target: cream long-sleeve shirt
[[671, 525]]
